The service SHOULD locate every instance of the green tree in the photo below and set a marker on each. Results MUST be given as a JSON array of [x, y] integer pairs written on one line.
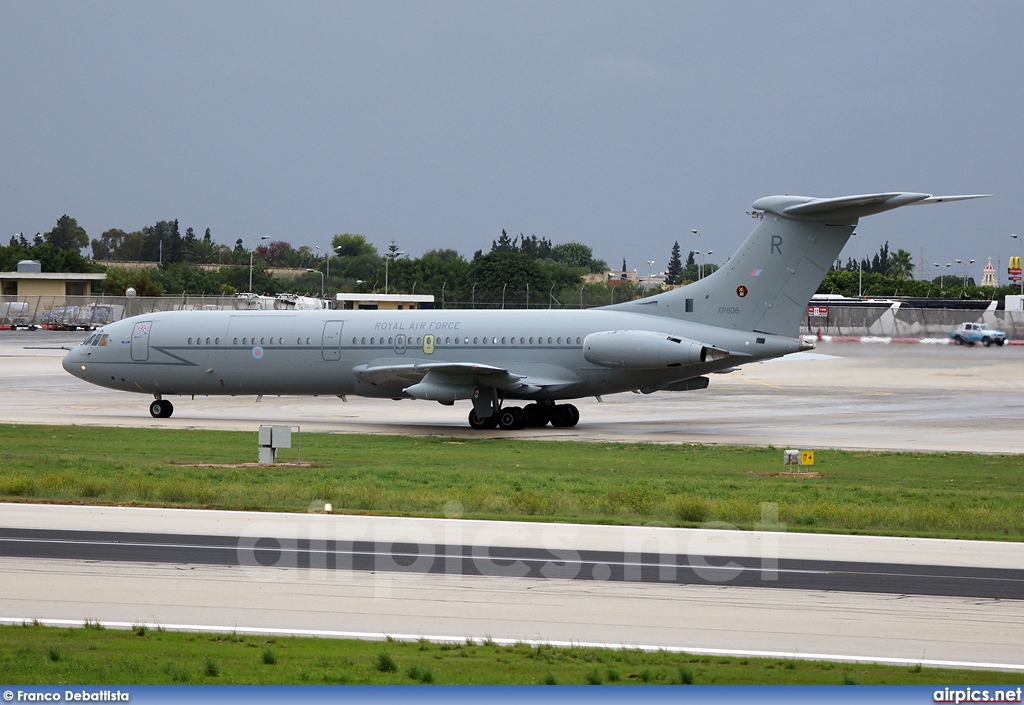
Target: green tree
[[574, 255], [67, 235], [900, 265], [351, 245], [674, 272], [118, 280]]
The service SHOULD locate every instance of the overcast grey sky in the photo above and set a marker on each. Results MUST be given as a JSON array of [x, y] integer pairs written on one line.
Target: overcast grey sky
[[437, 124]]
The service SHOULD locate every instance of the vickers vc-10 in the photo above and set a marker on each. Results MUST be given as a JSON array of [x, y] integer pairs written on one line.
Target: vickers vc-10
[[519, 368]]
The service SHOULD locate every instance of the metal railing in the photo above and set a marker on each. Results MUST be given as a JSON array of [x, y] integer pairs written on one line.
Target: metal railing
[[86, 312]]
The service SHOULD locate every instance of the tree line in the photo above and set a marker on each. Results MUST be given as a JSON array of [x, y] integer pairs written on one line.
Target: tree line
[[516, 271]]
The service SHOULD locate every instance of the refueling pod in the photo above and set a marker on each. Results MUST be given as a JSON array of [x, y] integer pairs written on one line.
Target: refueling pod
[[646, 350]]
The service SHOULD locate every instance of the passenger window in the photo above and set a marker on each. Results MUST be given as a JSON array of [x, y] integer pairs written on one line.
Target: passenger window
[[522, 341], [216, 341], [531, 340], [549, 340], [502, 340], [362, 341], [371, 341], [307, 341], [579, 340], [475, 340], [559, 340], [419, 340], [263, 341], [467, 340], [234, 341], [391, 341], [190, 341]]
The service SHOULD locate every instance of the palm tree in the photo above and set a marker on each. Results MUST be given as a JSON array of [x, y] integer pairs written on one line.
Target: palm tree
[[901, 265]]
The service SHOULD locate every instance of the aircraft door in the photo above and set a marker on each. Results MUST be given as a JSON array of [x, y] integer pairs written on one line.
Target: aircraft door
[[140, 341], [400, 342], [331, 345]]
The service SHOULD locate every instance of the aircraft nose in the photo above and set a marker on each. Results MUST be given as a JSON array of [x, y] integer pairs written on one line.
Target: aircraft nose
[[72, 363]]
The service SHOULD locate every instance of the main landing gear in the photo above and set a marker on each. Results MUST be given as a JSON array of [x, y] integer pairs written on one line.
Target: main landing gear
[[537, 415], [161, 409]]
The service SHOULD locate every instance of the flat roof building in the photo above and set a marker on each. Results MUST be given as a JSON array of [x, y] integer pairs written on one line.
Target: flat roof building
[[384, 302], [56, 284]]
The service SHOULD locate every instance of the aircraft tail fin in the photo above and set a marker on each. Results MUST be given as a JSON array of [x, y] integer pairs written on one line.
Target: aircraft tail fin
[[766, 285]]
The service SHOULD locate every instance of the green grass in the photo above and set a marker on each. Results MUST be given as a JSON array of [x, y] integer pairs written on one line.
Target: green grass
[[945, 495], [88, 656]]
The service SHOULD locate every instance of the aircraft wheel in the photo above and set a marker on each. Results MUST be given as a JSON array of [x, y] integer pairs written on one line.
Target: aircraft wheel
[[561, 416], [536, 415], [482, 423], [575, 414], [511, 419], [161, 409]]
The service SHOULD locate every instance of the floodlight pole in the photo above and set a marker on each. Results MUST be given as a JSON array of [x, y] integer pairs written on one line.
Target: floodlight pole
[[321, 280], [251, 250]]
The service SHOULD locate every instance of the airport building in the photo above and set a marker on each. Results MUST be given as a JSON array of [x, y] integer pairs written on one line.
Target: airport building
[[30, 280], [383, 302]]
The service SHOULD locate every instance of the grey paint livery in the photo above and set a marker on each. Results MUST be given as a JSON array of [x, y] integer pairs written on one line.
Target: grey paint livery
[[748, 310]]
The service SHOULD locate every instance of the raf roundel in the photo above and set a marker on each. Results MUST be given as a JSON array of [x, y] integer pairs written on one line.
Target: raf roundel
[[741, 291], [257, 352]]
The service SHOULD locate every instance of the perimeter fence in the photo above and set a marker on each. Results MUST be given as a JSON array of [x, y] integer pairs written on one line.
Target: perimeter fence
[[87, 312]]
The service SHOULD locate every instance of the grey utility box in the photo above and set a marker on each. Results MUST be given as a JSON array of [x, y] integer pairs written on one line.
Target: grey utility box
[[272, 438]]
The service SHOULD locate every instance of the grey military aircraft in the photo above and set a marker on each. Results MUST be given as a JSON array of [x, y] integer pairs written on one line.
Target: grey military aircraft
[[749, 310]]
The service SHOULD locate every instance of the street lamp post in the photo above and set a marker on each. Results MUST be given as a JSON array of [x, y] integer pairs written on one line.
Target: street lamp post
[[650, 263], [965, 264], [388, 258], [700, 268], [1019, 239], [860, 264], [251, 250], [942, 274], [321, 280]]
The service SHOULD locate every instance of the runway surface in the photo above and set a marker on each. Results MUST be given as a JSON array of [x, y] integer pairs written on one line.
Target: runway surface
[[843, 395], [859, 598]]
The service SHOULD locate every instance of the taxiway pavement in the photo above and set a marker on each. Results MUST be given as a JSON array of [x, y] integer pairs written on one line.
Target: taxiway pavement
[[843, 395]]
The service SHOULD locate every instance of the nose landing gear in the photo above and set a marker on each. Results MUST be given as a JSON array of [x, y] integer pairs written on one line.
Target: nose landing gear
[[161, 409]]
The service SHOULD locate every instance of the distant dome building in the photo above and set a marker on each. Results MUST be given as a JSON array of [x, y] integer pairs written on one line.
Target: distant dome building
[[988, 278]]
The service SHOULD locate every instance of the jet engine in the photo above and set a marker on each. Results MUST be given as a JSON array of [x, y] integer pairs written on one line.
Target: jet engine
[[645, 350]]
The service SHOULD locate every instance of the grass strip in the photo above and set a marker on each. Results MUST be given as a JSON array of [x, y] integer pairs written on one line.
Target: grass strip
[[33, 654], [908, 494]]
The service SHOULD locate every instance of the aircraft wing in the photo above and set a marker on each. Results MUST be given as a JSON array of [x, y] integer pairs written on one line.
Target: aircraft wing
[[448, 381]]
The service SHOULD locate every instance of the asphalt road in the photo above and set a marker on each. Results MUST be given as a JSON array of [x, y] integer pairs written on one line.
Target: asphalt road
[[843, 395]]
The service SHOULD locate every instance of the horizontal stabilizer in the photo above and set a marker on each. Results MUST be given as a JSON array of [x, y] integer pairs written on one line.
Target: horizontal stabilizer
[[847, 209]]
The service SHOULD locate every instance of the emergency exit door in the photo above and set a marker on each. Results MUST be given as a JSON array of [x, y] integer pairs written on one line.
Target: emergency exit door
[[331, 345]]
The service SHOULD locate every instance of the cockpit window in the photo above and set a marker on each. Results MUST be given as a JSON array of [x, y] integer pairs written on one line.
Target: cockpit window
[[88, 341], [103, 339]]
